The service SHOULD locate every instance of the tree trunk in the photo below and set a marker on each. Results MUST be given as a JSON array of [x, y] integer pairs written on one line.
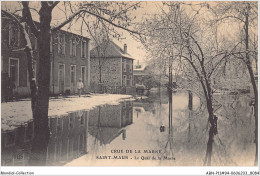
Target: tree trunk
[[41, 130], [32, 79], [252, 78], [190, 100], [207, 161]]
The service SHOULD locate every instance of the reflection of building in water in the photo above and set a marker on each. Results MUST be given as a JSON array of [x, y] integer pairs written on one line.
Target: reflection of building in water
[[68, 138], [68, 141], [149, 103], [16, 145], [108, 122]]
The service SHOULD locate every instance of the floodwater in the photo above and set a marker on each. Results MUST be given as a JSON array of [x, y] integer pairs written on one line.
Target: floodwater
[[142, 133]]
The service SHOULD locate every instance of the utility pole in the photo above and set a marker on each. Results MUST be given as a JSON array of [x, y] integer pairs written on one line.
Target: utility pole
[[170, 94]]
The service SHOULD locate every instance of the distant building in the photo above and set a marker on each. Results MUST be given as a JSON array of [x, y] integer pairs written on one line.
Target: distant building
[[70, 59], [140, 73], [116, 66]]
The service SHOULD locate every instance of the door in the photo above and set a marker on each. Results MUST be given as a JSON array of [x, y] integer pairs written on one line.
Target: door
[[83, 76], [61, 78], [73, 79]]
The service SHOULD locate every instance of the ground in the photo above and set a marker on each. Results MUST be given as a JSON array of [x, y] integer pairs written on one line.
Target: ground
[[17, 113]]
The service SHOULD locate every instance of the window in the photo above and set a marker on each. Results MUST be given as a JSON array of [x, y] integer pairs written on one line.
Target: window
[[73, 47], [73, 78], [14, 35], [128, 82], [70, 122], [124, 65], [127, 68], [84, 74], [61, 44], [82, 121], [130, 78], [59, 126], [14, 70], [10, 139], [124, 80], [130, 67], [83, 48]]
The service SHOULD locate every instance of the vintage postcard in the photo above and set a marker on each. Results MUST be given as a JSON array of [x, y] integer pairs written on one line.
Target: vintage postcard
[[129, 83]]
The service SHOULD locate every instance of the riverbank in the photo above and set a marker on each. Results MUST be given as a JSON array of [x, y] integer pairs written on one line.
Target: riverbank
[[17, 113]]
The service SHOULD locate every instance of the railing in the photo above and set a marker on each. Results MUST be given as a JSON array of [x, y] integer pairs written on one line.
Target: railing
[[100, 88]]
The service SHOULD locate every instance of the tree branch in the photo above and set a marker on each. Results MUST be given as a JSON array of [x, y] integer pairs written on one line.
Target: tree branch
[[28, 18], [110, 22], [66, 21], [54, 4]]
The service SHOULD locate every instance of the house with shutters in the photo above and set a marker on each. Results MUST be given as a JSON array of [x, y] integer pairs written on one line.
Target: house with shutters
[[115, 65], [70, 59]]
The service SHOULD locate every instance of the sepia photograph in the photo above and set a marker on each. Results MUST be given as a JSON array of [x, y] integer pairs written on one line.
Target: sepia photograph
[[129, 83]]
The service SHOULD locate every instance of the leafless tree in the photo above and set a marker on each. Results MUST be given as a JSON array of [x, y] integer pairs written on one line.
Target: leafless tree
[[187, 41], [244, 15]]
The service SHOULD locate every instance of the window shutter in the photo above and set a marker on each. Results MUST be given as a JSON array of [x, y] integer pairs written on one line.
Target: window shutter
[[71, 45], [85, 49], [81, 48], [63, 44], [75, 48], [10, 33]]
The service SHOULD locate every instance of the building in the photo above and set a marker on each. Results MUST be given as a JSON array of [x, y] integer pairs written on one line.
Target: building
[[115, 65], [140, 72], [70, 59]]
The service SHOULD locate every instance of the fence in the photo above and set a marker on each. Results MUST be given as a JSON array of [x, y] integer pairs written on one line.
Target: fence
[[100, 88]]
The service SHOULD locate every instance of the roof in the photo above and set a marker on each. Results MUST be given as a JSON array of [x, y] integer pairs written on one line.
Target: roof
[[111, 50]]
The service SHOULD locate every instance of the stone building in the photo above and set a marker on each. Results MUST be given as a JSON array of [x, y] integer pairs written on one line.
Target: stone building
[[70, 59], [115, 65]]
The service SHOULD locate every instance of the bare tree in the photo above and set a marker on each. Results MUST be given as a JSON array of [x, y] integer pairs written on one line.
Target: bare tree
[[244, 15], [193, 47]]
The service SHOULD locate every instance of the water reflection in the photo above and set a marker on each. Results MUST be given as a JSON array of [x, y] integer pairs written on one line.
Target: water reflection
[[168, 151], [183, 136], [68, 136], [108, 122]]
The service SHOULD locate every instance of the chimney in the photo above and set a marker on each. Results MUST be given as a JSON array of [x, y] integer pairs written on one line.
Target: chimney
[[125, 49]]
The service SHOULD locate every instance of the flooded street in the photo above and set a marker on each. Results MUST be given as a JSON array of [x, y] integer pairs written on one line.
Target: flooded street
[[144, 132]]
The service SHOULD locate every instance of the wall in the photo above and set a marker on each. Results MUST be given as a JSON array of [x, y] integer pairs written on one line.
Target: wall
[[69, 60], [7, 52], [23, 89], [110, 74]]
